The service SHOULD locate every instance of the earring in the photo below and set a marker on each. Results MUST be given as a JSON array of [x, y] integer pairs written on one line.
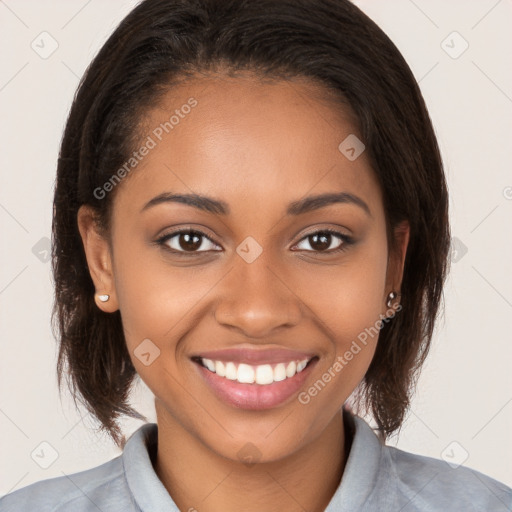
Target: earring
[[391, 297], [103, 298]]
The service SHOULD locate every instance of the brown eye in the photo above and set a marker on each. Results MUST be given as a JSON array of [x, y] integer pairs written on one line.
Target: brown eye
[[320, 241], [326, 241], [187, 241]]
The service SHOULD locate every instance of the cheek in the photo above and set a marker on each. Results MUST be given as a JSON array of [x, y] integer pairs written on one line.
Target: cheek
[[348, 302], [158, 303], [348, 306], [155, 299], [348, 298]]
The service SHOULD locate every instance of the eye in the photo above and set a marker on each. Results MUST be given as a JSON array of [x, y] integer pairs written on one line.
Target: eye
[[192, 241], [326, 241], [187, 240]]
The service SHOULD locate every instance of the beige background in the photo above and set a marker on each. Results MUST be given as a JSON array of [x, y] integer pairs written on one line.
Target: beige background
[[463, 406]]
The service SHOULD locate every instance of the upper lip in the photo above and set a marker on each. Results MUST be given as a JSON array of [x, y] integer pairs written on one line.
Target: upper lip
[[255, 356]]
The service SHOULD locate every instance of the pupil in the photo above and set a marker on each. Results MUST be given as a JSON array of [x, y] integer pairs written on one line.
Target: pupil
[[190, 241], [321, 241]]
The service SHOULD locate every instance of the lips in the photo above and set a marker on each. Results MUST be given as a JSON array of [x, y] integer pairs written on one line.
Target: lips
[[255, 356], [254, 379]]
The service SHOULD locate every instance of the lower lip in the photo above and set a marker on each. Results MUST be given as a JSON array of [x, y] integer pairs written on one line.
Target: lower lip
[[255, 396]]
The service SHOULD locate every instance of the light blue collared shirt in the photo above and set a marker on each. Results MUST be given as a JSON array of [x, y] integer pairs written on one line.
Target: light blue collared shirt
[[376, 478]]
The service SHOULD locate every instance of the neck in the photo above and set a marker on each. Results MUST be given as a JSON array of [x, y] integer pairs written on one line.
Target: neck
[[198, 478]]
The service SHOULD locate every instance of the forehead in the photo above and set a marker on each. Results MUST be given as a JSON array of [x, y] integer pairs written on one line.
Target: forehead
[[249, 141]]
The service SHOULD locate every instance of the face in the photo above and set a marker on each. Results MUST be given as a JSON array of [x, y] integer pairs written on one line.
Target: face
[[240, 307]]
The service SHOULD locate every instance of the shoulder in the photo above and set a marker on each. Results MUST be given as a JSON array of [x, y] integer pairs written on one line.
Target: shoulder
[[97, 488], [426, 483]]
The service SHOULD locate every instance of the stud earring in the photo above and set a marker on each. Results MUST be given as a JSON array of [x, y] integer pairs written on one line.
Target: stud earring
[[103, 298], [391, 297]]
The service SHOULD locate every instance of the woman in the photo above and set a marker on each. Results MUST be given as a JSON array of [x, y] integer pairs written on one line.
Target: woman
[[251, 214]]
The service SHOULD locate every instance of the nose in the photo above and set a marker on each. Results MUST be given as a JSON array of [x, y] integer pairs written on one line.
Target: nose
[[257, 300]]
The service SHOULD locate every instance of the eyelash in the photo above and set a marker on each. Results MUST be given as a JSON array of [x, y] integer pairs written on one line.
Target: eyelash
[[162, 241]]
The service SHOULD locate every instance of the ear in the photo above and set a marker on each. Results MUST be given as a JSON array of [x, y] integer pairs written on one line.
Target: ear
[[99, 258], [396, 259]]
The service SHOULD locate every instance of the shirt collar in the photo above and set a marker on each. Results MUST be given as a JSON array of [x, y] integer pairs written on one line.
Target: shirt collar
[[147, 489], [358, 480], [361, 470]]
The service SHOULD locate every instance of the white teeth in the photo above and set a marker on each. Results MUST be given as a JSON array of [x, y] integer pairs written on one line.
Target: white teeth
[[280, 372], [301, 365], [291, 369], [209, 364], [245, 374], [231, 372], [220, 369], [262, 374]]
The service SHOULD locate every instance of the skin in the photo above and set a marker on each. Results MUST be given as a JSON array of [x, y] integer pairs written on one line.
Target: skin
[[257, 146]]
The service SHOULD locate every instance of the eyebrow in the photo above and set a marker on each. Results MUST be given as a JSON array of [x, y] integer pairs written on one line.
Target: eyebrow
[[219, 207], [319, 201]]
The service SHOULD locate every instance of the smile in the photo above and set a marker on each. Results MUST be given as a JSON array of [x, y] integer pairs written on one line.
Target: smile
[[254, 379], [263, 374]]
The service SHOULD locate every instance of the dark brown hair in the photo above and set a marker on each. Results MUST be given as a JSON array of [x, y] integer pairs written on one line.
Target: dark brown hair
[[328, 41]]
